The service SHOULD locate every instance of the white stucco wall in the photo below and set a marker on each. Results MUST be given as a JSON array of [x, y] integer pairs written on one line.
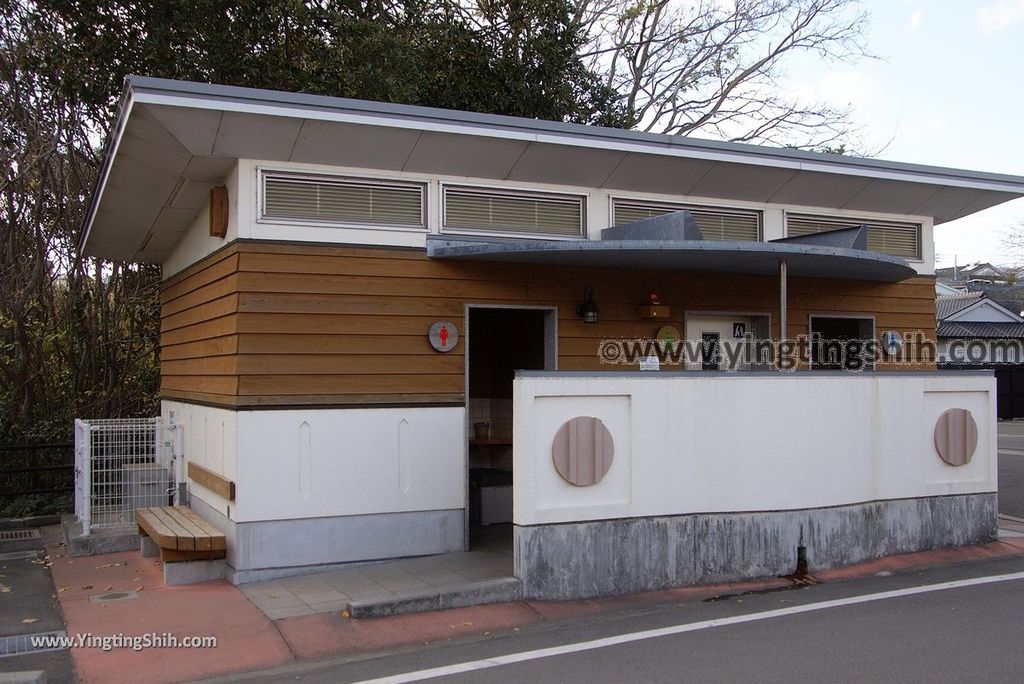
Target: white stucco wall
[[197, 243], [598, 209], [308, 463], [209, 438], [745, 442]]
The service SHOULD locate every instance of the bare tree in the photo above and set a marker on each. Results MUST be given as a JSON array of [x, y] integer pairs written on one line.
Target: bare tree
[[713, 67]]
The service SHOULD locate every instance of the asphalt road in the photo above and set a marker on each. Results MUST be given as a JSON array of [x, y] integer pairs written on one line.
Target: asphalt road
[[1011, 468], [29, 606], [844, 632]]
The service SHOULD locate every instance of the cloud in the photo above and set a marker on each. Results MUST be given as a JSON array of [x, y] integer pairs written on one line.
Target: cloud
[[915, 20], [996, 16]]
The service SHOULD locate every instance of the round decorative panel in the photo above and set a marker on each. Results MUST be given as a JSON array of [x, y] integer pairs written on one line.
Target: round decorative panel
[[956, 436], [443, 336], [582, 451]]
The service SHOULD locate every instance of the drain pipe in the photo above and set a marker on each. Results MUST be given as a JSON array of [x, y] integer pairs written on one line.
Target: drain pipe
[[783, 313], [180, 487]]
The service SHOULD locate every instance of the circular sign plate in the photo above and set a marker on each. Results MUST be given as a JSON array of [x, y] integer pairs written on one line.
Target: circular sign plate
[[443, 336], [582, 451]]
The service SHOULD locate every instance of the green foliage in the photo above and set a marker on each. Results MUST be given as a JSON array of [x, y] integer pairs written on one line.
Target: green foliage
[[35, 504], [79, 336], [517, 57]]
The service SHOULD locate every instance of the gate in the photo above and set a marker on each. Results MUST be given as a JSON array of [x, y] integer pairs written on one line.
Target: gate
[[120, 465]]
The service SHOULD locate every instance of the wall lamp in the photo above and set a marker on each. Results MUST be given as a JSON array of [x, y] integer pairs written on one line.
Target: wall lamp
[[588, 310]]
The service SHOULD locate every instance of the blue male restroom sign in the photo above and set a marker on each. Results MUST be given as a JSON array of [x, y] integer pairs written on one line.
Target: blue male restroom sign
[[443, 336]]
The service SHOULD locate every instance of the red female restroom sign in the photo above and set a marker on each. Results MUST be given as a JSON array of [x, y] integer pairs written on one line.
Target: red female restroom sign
[[443, 336]]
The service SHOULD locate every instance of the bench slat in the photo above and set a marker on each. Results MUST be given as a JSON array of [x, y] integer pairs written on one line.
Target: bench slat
[[200, 538], [186, 541], [217, 539], [154, 527], [180, 533]]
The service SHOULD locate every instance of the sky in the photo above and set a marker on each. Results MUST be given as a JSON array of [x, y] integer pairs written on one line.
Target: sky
[[947, 90]]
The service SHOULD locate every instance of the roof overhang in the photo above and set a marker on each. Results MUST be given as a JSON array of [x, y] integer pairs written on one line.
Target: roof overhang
[[174, 140], [758, 258]]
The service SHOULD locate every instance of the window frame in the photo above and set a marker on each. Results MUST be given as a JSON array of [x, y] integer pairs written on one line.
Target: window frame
[[679, 206], [839, 222], [341, 179], [515, 193]]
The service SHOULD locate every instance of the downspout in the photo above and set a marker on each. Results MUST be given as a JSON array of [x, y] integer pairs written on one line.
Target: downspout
[[783, 313]]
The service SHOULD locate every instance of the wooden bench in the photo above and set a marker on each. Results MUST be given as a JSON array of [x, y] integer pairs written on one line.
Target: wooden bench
[[180, 534]]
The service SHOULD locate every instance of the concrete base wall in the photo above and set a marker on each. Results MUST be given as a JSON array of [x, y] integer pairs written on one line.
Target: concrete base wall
[[280, 548], [579, 560]]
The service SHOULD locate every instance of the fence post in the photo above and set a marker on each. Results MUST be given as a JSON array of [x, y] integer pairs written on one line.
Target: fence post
[[86, 470]]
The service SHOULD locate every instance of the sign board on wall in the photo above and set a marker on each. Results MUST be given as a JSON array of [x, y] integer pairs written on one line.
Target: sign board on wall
[[443, 336]]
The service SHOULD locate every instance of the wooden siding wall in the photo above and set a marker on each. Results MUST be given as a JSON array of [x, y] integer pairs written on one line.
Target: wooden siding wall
[[268, 324]]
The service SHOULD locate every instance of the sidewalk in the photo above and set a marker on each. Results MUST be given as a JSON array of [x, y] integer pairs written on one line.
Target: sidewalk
[[124, 593]]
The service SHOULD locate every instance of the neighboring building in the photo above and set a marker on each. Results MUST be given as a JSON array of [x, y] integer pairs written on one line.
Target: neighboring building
[[368, 307], [943, 288], [973, 331], [974, 273]]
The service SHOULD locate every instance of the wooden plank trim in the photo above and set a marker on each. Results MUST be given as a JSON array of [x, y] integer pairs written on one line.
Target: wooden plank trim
[[224, 252], [175, 555], [215, 482]]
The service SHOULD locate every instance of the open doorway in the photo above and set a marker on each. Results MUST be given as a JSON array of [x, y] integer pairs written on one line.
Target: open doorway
[[840, 342], [500, 341]]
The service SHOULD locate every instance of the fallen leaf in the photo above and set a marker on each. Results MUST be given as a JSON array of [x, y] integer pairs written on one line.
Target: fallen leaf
[[109, 587], [63, 589], [29, 621], [141, 587], [467, 624], [87, 586], [5, 590]]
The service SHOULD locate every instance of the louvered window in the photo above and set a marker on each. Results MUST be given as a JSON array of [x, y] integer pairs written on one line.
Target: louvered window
[[897, 239], [714, 223], [322, 199], [486, 211]]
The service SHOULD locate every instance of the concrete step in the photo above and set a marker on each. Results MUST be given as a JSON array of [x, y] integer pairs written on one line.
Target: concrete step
[[500, 590], [111, 540]]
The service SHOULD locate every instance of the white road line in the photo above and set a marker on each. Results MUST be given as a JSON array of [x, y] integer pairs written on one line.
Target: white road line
[[511, 658]]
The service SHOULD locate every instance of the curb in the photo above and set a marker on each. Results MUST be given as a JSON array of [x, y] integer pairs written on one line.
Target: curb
[[502, 590], [30, 521]]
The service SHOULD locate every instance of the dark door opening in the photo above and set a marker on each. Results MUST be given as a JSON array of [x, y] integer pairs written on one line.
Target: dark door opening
[[500, 342], [840, 343], [710, 352]]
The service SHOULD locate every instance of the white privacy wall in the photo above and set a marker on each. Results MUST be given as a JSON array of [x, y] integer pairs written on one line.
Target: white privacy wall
[[339, 462], [294, 464], [747, 442]]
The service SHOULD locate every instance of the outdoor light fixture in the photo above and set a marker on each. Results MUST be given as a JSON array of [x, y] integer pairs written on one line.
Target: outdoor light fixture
[[588, 310]]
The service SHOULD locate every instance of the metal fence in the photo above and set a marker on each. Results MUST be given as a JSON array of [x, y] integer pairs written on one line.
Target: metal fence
[[120, 465], [35, 469]]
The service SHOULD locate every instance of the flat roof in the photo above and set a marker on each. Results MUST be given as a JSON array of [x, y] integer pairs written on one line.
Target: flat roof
[[173, 140], [723, 256]]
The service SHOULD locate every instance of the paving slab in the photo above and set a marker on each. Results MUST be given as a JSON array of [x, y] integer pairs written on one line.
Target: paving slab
[[246, 637], [428, 583]]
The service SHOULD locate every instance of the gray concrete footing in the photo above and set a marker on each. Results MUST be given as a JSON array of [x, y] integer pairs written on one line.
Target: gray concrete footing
[[501, 590], [110, 540], [600, 558], [190, 572], [148, 547]]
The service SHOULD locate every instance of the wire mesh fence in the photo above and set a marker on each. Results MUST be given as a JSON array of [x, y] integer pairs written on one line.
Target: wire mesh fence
[[120, 465]]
